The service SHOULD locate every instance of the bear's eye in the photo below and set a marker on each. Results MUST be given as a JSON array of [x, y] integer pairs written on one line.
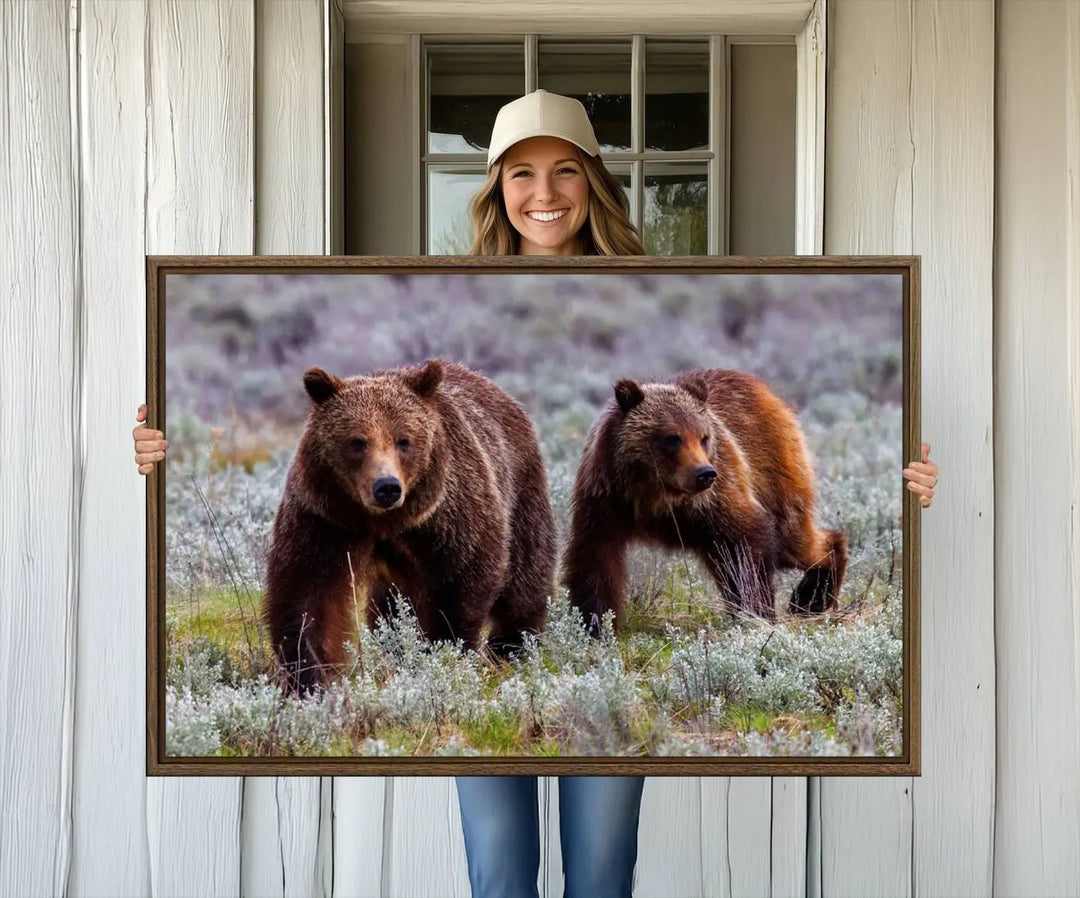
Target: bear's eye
[[705, 440], [403, 443], [357, 445], [672, 441]]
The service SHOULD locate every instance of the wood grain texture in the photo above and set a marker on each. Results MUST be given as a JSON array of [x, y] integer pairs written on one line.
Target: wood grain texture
[[40, 406], [671, 838], [1037, 832], [280, 836], [736, 818], [199, 200], [561, 16], [287, 849], [868, 200], [810, 46], [952, 114], [427, 846], [362, 805], [788, 836], [193, 832], [289, 127], [866, 838], [200, 186], [109, 855], [910, 149]]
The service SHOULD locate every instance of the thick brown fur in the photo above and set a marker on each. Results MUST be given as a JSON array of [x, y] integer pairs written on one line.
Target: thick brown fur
[[645, 476], [471, 534]]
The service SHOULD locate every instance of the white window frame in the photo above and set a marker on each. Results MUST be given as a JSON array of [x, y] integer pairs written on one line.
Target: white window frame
[[770, 19]]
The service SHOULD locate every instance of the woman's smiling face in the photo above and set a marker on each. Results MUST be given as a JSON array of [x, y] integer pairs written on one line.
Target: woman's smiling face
[[546, 195]]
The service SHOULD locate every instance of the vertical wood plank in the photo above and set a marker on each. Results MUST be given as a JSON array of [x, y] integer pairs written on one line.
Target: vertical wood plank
[[40, 426], [200, 189], [809, 121], [282, 830], [748, 817], [290, 173], [427, 852], [709, 837], [866, 831], [1037, 446], [199, 200], [911, 152], [280, 836], [788, 851], [334, 124], [109, 854], [866, 824], [952, 115], [362, 805], [675, 836]]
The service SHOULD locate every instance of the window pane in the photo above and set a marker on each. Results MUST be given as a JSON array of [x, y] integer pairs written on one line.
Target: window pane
[[466, 86], [676, 209], [622, 175], [449, 227], [676, 95], [597, 74]]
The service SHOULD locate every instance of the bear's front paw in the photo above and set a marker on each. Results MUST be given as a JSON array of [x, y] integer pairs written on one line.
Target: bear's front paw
[[814, 593]]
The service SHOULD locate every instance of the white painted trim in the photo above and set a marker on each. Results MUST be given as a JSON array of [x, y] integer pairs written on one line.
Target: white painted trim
[[532, 62], [719, 104], [682, 17], [366, 37], [417, 129], [637, 132], [725, 247], [328, 118], [810, 134], [764, 40]]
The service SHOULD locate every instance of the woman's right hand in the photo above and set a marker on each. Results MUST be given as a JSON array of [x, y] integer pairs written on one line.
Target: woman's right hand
[[149, 444]]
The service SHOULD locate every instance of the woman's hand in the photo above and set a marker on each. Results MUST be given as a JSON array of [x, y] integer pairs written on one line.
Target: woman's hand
[[149, 444], [922, 477]]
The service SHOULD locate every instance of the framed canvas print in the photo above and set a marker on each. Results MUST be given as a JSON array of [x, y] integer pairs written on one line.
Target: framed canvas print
[[434, 515]]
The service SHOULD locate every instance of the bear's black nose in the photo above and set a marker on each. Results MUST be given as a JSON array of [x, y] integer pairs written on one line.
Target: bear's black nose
[[705, 476], [387, 490]]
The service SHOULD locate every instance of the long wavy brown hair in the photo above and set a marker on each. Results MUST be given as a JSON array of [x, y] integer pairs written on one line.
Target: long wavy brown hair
[[607, 231]]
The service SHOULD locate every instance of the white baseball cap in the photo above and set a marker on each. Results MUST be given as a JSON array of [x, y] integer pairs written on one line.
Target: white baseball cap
[[541, 114]]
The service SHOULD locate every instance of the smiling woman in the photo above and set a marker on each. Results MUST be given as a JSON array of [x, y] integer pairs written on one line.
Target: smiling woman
[[547, 191], [546, 195]]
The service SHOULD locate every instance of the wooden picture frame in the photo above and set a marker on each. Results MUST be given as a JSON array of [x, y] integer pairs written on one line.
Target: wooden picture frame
[[833, 339]]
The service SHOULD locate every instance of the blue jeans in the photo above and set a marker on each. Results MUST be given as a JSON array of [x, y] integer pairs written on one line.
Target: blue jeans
[[598, 821]]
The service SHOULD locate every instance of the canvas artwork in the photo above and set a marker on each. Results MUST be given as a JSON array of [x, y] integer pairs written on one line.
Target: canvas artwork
[[481, 516]]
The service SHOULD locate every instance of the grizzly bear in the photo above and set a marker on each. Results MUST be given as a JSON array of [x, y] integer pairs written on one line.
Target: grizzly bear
[[711, 462], [424, 482]]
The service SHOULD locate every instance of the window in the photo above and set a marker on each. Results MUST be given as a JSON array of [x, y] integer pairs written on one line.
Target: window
[[701, 131], [649, 102]]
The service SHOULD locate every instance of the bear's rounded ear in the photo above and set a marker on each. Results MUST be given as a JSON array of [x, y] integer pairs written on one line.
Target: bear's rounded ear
[[628, 394], [697, 386], [425, 381], [320, 386]]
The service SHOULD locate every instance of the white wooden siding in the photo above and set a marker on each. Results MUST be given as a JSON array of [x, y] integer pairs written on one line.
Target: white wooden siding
[[200, 199], [1037, 450], [109, 821], [200, 128], [909, 169], [41, 431], [554, 16]]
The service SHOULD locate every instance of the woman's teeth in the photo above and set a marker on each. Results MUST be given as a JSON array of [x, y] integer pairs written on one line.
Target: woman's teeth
[[547, 216]]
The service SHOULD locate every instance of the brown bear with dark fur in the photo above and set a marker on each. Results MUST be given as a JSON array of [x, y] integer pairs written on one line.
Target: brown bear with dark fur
[[712, 462], [425, 482]]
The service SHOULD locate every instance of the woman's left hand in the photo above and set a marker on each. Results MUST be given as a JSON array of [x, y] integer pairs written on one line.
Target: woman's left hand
[[922, 477]]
